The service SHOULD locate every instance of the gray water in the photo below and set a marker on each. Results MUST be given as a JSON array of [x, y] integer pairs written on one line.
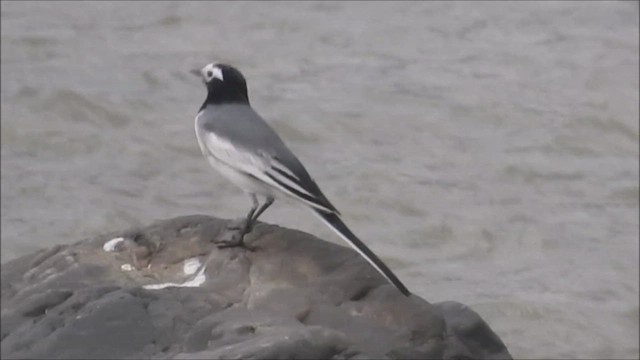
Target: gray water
[[488, 152]]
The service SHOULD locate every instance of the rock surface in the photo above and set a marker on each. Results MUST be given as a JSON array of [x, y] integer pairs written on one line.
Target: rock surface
[[294, 296]]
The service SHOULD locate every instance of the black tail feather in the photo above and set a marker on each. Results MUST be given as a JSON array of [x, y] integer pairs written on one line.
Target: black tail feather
[[338, 226]]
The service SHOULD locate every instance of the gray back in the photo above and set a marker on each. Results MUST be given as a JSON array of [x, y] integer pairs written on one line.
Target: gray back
[[244, 127]]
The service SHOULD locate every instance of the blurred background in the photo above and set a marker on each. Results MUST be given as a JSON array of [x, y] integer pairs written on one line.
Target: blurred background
[[487, 151]]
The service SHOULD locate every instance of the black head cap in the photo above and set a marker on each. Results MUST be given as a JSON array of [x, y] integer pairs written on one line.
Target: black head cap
[[225, 84]]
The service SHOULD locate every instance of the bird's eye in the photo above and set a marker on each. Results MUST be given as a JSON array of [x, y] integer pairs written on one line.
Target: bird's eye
[[209, 73]]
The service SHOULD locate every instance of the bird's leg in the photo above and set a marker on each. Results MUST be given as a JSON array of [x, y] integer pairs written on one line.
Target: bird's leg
[[254, 213], [259, 212], [253, 209], [236, 230]]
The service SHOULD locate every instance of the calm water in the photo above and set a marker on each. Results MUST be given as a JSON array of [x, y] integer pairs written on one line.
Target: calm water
[[487, 151]]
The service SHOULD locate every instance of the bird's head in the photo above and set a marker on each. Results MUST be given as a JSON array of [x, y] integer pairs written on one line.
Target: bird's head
[[225, 84]]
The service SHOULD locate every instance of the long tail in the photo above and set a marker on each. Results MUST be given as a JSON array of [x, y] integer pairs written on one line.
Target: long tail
[[339, 227]]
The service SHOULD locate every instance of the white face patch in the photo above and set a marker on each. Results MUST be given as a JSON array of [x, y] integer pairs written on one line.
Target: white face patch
[[210, 72]]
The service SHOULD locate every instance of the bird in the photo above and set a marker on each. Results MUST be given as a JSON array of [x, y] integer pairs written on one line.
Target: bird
[[240, 144]]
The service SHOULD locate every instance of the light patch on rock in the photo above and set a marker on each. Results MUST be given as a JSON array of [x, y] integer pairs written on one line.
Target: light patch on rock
[[111, 245], [126, 267], [196, 281], [191, 266]]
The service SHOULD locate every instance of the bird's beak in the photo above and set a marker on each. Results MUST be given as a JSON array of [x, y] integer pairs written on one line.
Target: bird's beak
[[196, 72]]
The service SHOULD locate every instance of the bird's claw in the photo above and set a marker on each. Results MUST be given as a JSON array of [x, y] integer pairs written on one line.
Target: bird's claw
[[231, 238], [233, 235]]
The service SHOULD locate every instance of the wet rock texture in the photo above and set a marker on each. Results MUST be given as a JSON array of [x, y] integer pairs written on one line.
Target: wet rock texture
[[292, 296]]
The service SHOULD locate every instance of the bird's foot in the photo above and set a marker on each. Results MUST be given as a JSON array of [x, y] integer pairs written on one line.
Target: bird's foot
[[233, 235]]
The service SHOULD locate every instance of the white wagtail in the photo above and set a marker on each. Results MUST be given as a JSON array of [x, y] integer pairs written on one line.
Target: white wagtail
[[244, 148]]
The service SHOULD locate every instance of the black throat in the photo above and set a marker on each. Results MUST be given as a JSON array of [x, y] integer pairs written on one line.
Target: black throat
[[233, 90]]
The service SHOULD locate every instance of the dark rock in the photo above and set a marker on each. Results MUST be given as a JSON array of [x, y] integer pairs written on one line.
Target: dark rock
[[293, 296]]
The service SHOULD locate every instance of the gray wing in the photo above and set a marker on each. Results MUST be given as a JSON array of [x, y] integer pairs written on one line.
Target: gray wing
[[236, 135]]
